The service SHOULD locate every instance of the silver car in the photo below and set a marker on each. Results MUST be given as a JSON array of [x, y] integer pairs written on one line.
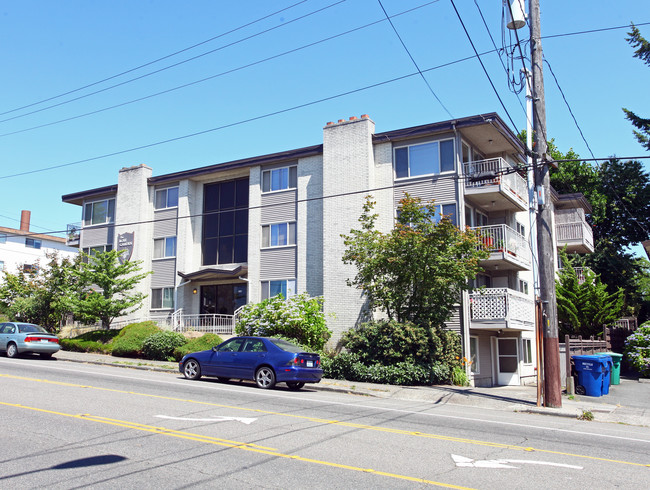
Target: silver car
[[17, 338]]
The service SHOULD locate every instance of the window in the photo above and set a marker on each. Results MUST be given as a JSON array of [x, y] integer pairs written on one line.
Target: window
[[286, 288], [92, 251], [30, 268], [3, 238], [166, 198], [279, 179], [99, 212], [522, 286], [425, 159], [162, 298], [473, 354], [164, 247], [32, 243], [2, 265], [279, 235], [222, 299], [527, 350], [225, 222], [521, 229], [440, 210]]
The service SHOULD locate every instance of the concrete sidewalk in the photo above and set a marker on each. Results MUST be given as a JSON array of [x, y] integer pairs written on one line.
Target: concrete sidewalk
[[627, 403]]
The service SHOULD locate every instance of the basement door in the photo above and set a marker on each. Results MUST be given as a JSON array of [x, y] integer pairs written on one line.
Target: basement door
[[507, 359]]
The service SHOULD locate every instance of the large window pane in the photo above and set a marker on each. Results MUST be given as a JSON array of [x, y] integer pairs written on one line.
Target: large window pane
[[100, 212], [211, 197], [241, 222], [227, 223], [279, 179], [401, 163], [241, 249], [170, 247], [161, 199], [225, 250], [241, 193], [423, 159], [172, 197], [210, 251], [449, 210], [227, 198]]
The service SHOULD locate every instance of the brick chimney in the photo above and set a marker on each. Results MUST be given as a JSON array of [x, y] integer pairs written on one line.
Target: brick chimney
[[24, 220]]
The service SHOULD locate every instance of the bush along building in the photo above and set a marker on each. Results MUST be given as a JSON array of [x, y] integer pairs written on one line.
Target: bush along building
[[221, 236]]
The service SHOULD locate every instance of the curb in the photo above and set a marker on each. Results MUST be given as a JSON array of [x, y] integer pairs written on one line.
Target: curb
[[124, 366]]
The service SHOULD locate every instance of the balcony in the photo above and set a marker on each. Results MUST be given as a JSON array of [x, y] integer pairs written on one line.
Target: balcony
[[577, 237], [73, 235], [508, 249], [581, 273], [487, 185], [501, 309]]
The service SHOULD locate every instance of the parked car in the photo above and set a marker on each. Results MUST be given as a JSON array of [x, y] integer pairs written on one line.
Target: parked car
[[265, 360], [17, 338]]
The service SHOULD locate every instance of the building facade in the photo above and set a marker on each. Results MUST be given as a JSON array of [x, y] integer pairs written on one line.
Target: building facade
[[221, 236], [21, 249]]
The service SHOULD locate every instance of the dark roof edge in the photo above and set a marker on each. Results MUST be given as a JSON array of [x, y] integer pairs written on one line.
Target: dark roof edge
[[245, 162], [449, 125], [76, 196], [577, 198]]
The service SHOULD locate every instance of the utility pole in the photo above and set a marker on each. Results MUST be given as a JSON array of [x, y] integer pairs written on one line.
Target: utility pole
[[545, 245]]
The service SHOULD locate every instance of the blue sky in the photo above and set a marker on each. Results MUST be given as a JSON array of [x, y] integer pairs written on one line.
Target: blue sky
[[50, 48]]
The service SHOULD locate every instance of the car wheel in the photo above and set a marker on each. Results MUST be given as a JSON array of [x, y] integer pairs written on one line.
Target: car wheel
[[12, 350], [265, 378], [223, 380], [192, 369], [294, 385]]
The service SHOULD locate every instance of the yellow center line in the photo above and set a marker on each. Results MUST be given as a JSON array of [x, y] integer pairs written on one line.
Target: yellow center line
[[334, 422], [225, 443]]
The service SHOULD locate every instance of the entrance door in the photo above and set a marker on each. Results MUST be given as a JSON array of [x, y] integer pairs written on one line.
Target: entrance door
[[222, 299], [507, 361]]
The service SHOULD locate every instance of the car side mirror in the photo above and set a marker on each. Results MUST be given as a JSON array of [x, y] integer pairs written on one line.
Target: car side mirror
[[214, 349]]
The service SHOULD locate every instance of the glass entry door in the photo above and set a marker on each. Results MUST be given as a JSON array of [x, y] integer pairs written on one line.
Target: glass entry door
[[507, 361], [222, 299]]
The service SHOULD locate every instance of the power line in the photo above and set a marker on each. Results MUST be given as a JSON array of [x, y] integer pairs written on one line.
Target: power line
[[153, 61], [175, 64], [514, 126], [195, 82], [413, 60]]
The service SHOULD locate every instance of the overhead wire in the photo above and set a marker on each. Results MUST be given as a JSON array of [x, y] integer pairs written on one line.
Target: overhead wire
[[413, 60], [170, 55]]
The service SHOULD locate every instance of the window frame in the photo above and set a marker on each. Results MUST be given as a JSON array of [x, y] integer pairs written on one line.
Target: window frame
[[292, 179], [154, 298], [290, 291], [290, 235], [110, 212], [439, 161], [166, 191], [527, 353], [164, 248], [475, 367], [35, 243]]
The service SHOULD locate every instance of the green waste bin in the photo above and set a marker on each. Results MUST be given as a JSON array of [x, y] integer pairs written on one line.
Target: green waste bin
[[616, 367]]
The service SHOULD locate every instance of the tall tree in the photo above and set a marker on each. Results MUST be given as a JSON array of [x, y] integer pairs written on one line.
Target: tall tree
[[642, 52], [416, 271], [106, 287]]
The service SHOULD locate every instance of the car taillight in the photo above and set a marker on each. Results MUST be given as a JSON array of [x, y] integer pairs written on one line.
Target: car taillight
[[38, 339], [297, 361]]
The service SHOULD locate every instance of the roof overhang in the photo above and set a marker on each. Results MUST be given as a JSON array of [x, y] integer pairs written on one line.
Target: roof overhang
[[214, 274]]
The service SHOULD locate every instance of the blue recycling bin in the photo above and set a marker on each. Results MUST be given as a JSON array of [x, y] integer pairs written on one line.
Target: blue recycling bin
[[607, 376], [593, 374]]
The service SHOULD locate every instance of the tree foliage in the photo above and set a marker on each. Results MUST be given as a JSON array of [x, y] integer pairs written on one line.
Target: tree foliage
[[642, 52], [583, 304], [416, 271], [106, 287]]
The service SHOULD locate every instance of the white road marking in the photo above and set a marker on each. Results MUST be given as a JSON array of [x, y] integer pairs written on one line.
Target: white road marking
[[260, 393], [243, 420], [462, 461]]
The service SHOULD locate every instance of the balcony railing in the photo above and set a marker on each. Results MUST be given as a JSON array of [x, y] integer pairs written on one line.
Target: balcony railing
[[581, 273], [577, 236], [496, 305], [497, 174], [503, 239]]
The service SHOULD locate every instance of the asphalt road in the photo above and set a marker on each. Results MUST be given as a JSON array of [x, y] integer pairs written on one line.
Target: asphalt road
[[67, 425]]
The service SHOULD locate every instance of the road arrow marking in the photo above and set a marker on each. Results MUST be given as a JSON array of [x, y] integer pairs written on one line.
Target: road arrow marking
[[243, 420], [462, 461]]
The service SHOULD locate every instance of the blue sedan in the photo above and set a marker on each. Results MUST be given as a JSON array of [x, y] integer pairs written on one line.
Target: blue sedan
[[265, 360], [17, 338]]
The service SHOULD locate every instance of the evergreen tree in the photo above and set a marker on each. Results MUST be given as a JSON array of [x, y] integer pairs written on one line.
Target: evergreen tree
[[642, 52]]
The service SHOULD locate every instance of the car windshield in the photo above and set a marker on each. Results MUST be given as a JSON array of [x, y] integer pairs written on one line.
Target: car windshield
[[31, 328], [287, 346]]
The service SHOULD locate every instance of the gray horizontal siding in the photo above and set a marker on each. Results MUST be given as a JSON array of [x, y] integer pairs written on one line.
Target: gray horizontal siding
[[92, 237], [454, 322], [278, 263], [278, 207], [165, 223], [164, 273], [442, 190]]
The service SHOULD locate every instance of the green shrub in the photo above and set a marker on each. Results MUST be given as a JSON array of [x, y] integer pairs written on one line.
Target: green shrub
[[459, 376], [128, 342], [347, 366], [95, 341], [299, 318], [205, 342], [160, 346], [637, 350]]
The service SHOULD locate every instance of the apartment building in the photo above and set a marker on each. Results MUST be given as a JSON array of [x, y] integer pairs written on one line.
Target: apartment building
[[221, 236]]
